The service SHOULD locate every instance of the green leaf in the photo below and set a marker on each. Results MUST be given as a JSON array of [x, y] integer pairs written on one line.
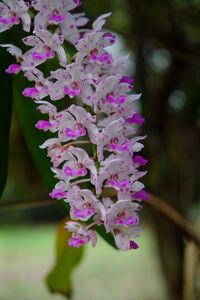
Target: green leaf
[[67, 258], [5, 111], [28, 117], [108, 237]]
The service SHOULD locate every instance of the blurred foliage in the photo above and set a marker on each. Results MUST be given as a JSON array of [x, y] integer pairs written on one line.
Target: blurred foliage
[[27, 251], [164, 39], [28, 117], [5, 114]]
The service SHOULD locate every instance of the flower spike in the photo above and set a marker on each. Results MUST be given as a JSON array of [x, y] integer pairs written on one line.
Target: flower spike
[[94, 145]]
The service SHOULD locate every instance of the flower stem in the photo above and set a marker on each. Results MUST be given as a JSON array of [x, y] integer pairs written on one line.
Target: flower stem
[[93, 224], [81, 181], [94, 146], [75, 143]]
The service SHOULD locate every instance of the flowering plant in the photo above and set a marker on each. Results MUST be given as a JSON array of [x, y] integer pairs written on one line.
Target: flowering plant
[[94, 138]]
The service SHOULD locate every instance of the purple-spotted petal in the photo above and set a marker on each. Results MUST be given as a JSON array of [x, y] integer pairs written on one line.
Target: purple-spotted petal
[[126, 79], [119, 100], [77, 172], [75, 133], [57, 18], [83, 214], [132, 220], [76, 242], [72, 92], [115, 147], [119, 184]]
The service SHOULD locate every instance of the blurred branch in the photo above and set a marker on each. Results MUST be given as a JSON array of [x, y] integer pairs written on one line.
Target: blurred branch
[[161, 205], [175, 217], [26, 204], [191, 288], [183, 55]]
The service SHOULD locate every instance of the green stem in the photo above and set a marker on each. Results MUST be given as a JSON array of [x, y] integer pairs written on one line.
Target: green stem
[[94, 146], [84, 142]]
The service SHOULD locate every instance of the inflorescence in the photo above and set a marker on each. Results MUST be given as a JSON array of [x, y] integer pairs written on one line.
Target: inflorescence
[[94, 139]]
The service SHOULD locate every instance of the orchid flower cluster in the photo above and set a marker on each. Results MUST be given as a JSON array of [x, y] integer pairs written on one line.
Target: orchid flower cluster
[[94, 145]]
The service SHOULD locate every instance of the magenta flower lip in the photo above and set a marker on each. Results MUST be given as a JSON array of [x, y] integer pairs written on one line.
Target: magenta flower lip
[[9, 21], [57, 194], [72, 92], [137, 159], [13, 69], [135, 119], [30, 92]]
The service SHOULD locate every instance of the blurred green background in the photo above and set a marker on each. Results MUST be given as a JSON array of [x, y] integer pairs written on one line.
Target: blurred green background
[[27, 253], [163, 39]]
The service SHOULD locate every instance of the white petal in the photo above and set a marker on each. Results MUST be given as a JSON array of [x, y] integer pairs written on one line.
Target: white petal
[[137, 147], [137, 186], [122, 241], [13, 50], [32, 40], [50, 142], [100, 21], [26, 21], [61, 56]]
